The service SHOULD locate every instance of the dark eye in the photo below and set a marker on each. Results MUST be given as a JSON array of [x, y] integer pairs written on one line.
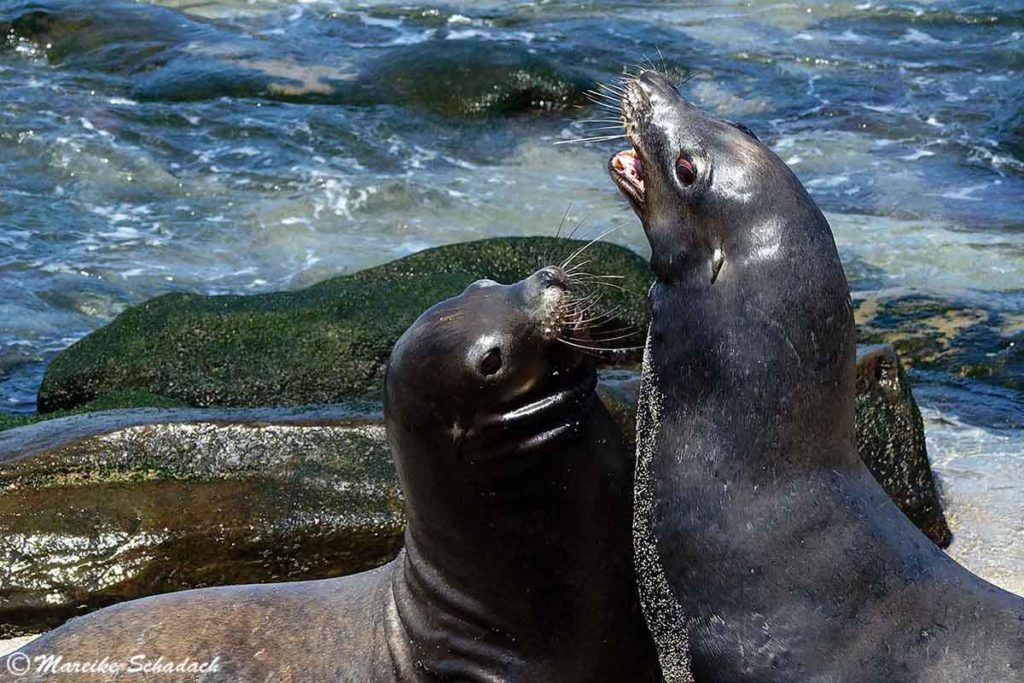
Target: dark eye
[[491, 362], [685, 170]]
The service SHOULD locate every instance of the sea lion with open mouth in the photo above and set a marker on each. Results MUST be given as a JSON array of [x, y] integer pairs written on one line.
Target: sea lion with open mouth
[[764, 545], [517, 563]]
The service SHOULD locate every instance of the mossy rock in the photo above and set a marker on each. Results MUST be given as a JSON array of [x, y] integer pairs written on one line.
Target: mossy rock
[[468, 78], [890, 440], [932, 333], [328, 343]]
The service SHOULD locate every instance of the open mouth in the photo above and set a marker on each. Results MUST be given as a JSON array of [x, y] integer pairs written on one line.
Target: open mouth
[[627, 170], [627, 167]]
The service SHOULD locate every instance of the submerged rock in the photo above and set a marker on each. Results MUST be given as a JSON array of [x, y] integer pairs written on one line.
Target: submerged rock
[[932, 333], [470, 78], [161, 54], [324, 344], [890, 440], [107, 507]]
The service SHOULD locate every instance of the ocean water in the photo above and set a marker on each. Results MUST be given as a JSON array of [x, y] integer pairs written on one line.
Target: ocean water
[[253, 145]]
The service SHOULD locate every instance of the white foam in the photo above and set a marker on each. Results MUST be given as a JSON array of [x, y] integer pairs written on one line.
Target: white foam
[[913, 35]]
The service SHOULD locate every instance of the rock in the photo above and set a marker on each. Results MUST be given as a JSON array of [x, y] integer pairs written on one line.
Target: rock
[[890, 440], [470, 78], [954, 337], [162, 54], [324, 344], [112, 506]]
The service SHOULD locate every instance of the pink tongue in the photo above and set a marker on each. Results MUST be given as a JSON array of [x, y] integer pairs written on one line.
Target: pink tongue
[[634, 165], [630, 163]]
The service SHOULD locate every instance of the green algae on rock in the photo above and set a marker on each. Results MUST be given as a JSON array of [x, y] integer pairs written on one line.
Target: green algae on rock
[[933, 333], [890, 440], [324, 344], [471, 78], [108, 507]]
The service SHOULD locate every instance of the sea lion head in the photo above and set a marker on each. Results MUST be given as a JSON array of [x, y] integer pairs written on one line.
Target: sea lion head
[[712, 198], [749, 280], [489, 376]]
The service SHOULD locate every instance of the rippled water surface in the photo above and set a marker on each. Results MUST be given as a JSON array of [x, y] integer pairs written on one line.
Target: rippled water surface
[[246, 146]]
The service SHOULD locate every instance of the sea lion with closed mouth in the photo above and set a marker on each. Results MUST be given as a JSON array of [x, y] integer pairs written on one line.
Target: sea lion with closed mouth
[[765, 546], [517, 563]]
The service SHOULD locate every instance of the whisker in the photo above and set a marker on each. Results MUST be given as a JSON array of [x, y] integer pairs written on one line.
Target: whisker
[[558, 231], [589, 307], [589, 244], [613, 285], [609, 106], [588, 277], [601, 98], [596, 348], [599, 138], [621, 333], [611, 95], [583, 310], [572, 270], [578, 225], [613, 88], [597, 319]]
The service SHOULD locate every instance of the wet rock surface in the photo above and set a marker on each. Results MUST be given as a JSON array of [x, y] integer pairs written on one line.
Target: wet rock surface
[[108, 507], [890, 440]]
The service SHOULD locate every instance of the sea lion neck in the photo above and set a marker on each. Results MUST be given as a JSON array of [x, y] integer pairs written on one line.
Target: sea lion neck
[[724, 366], [489, 567]]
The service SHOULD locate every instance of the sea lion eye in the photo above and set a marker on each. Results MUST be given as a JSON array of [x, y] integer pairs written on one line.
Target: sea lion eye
[[491, 362], [685, 170]]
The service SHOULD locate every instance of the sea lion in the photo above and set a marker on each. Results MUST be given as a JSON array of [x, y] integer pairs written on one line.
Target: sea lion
[[517, 563], [764, 545]]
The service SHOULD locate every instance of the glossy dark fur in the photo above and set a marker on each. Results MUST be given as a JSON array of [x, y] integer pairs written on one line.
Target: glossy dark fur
[[517, 564], [784, 559]]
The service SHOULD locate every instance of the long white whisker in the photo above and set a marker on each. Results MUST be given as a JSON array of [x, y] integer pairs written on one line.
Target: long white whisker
[[598, 138], [590, 244]]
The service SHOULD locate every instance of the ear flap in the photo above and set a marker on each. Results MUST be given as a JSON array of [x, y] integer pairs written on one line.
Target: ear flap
[[743, 129]]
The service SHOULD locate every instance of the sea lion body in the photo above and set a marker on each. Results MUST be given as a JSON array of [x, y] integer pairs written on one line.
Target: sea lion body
[[517, 563], [766, 548]]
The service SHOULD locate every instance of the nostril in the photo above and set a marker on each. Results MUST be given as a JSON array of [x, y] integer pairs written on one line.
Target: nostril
[[653, 78]]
